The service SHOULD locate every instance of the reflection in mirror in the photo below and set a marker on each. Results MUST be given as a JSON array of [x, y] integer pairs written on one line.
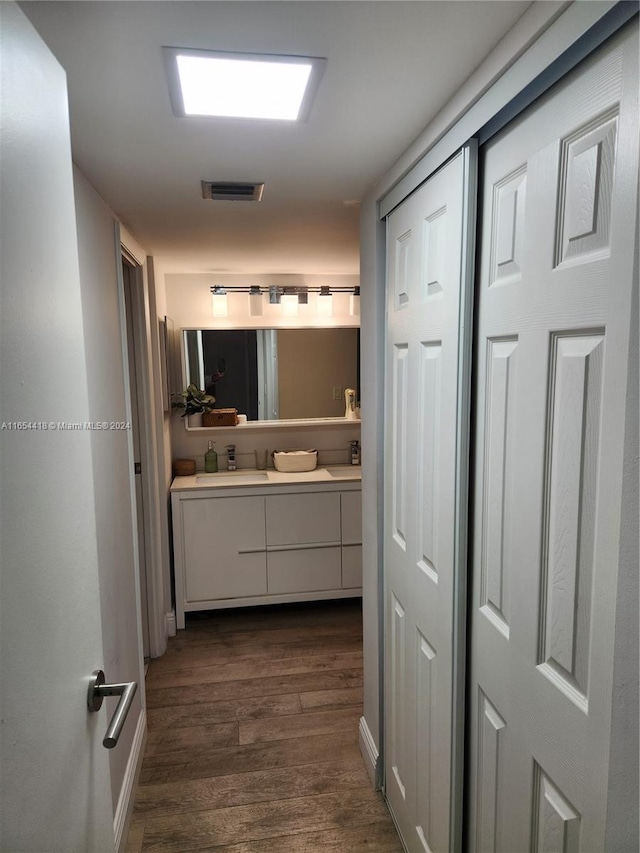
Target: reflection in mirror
[[275, 374]]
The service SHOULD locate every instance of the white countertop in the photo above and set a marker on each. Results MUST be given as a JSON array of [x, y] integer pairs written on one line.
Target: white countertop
[[249, 477]]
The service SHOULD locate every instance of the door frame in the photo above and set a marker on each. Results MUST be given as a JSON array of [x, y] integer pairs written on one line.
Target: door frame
[[143, 329], [130, 274], [546, 44]]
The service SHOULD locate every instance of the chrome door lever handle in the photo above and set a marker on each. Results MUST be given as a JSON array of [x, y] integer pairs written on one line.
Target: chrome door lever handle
[[96, 693]]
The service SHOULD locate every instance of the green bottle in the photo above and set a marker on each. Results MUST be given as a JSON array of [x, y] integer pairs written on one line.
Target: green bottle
[[211, 460]]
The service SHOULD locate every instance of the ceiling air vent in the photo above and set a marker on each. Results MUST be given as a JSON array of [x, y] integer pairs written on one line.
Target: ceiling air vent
[[232, 190]]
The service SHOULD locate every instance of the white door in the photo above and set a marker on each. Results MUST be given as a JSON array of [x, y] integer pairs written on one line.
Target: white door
[[55, 784], [559, 218], [426, 268]]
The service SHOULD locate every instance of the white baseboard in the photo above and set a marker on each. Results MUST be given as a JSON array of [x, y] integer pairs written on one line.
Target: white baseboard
[[122, 817], [369, 751], [170, 623]]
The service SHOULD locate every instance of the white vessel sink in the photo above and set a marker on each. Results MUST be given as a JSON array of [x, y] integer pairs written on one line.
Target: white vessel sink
[[229, 478]]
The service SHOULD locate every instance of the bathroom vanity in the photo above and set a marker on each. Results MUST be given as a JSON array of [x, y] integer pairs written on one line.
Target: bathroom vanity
[[244, 538]]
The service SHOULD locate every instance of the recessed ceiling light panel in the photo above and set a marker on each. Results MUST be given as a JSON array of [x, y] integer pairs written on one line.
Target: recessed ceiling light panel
[[241, 85]]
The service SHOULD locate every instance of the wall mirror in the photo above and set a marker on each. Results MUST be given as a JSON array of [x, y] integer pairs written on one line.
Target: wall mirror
[[275, 374]]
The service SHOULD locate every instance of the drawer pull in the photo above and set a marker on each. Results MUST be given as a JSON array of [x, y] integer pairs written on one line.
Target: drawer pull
[[303, 546]]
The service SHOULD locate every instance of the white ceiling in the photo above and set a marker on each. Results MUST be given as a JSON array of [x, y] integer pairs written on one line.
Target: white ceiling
[[391, 66]]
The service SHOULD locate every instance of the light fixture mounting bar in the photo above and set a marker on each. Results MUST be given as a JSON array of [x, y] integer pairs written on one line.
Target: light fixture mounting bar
[[324, 289]]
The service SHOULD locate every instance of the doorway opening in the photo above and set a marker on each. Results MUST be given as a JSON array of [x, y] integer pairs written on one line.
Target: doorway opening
[[130, 278]]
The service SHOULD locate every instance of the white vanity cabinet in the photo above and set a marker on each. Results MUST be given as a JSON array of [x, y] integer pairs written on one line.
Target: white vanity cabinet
[[351, 517], [264, 544], [304, 542]]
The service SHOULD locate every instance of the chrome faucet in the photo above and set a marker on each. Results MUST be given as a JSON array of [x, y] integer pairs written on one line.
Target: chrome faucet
[[231, 457], [355, 452]]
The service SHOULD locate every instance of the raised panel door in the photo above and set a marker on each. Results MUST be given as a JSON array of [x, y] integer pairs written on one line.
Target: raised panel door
[[554, 302], [426, 276]]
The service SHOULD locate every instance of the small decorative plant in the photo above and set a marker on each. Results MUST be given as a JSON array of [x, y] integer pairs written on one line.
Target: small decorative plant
[[193, 401]]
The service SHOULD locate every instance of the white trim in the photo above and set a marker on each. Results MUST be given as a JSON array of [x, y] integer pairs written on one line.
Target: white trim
[[158, 576], [132, 248], [461, 524], [170, 623], [152, 508], [124, 809], [127, 403], [370, 754]]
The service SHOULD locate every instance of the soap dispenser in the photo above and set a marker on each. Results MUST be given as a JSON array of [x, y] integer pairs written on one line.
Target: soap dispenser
[[211, 460]]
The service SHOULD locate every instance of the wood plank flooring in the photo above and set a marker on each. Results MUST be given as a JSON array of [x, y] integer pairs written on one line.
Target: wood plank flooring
[[253, 737]]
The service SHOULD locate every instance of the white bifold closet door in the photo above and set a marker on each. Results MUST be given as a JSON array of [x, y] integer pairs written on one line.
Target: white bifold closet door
[[554, 299], [426, 272]]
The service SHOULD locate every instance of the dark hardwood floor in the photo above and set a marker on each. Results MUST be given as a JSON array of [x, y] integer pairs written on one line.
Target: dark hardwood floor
[[253, 737]]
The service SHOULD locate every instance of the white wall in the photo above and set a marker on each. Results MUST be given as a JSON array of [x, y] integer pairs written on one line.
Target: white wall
[[110, 453], [331, 442]]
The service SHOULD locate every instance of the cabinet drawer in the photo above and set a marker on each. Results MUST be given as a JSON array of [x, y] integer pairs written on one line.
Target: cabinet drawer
[[245, 576], [224, 548], [301, 519], [351, 513], [304, 570], [352, 566]]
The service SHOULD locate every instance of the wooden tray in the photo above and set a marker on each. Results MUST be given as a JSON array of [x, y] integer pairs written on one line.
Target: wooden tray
[[220, 417]]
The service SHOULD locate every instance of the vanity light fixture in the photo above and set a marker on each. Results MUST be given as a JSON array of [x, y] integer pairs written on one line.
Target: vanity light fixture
[[289, 302], [274, 295], [354, 302], [219, 301], [289, 298], [255, 301], [241, 85], [325, 302]]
